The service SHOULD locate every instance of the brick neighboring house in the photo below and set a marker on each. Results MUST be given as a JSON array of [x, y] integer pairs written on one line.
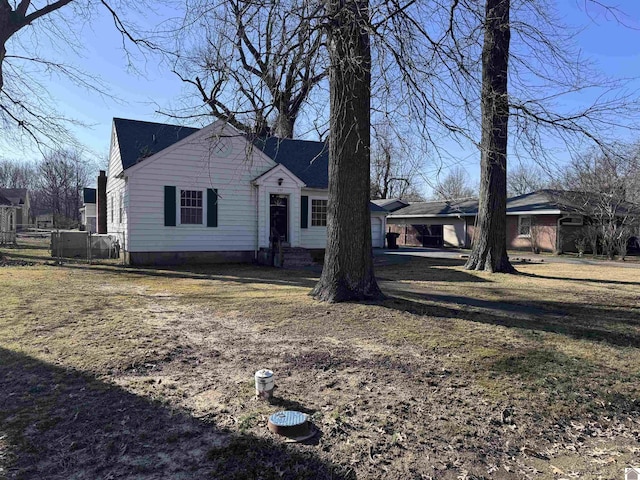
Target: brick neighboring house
[[19, 198], [545, 220]]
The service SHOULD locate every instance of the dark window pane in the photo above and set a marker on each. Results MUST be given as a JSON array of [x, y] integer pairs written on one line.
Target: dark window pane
[[191, 207]]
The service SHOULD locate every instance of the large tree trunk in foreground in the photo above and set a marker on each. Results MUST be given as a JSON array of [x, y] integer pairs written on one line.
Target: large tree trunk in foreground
[[348, 265], [489, 251]]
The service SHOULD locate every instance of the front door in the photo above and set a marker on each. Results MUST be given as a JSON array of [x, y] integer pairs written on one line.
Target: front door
[[279, 217]]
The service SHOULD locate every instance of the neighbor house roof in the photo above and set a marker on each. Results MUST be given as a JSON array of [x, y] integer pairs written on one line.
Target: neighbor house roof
[[373, 207], [89, 195], [540, 202], [391, 204], [306, 159], [440, 208], [549, 201], [138, 140], [17, 196], [4, 200], [572, 202], [536, 202]]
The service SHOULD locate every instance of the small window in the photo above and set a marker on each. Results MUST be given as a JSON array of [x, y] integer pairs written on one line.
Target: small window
[[191, 207], [112, 209], [318, 213], [524, 226], [121, 212], [572, 221]]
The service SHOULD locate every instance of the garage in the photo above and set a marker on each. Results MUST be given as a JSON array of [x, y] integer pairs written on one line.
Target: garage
[[433, 224], [377, 232]]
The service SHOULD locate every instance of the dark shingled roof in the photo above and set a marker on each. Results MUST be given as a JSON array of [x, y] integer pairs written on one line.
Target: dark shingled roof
[[568, 201], [539, 201], [376, 208], [465, 206], [390, 204], [16, 196], [139, 140], [307, 160], [89, 195], [4, 201]]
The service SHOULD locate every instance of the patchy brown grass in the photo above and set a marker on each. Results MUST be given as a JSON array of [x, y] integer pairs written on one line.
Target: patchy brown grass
[[456, 374]]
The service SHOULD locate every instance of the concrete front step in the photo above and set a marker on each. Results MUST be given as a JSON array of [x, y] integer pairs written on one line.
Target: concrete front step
[[292, 257], [296, 257]]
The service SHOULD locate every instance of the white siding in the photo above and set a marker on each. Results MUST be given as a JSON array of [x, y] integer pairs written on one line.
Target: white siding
[[453, 233], [90, 209], [193, 165], [89, 216], [279, 181], [378, 225], [115, 188], [313, 237]]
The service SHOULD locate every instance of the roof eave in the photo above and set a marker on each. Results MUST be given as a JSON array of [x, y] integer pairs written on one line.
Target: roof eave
[[434, 215]]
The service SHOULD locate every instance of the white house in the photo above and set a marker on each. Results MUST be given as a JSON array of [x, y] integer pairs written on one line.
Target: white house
[[7, 221], [20, 199], [177, 194], [88, 211]]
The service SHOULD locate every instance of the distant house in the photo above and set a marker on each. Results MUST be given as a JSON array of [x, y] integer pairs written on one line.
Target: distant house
[[547, 220], [19, 198], [7, 221], [88, 211], [177, 194], [434, 224], [44, 220]]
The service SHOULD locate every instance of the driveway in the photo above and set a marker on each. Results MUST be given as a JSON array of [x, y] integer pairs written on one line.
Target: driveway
[[393, 256]]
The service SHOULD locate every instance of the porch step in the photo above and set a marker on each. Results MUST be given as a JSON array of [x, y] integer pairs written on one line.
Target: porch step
[[296, 257], [292, 257]]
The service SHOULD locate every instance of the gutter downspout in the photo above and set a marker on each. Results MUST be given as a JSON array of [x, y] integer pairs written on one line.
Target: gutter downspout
[[255, 252]]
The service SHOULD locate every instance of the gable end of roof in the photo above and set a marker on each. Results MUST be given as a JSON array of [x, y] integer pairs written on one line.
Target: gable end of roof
[[139, 140]]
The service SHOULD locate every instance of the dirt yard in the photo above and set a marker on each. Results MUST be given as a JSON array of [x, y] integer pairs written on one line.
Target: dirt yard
[[109, 372]]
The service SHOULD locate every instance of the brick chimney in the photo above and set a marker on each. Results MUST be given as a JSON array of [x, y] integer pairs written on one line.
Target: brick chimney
[[102, 202]]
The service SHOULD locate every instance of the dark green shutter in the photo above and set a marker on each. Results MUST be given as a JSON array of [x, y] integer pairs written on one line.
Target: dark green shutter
[[304, 211], [212, 207], [169, 206]]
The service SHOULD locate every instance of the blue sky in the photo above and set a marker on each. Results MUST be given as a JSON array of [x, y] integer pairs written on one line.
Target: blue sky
[[615, 49]]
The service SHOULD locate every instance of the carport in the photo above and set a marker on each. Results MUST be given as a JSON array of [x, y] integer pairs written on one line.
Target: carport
[[433, 224]]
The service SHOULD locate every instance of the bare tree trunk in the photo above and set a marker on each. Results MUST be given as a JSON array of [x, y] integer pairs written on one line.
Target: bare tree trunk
[[348, 265], [283, 127], [489, 251]]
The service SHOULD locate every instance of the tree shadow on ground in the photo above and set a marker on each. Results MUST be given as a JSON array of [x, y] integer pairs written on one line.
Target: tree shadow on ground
[[581, 280], [60, 423], [412, 269], [23, 246], [428, 269], [597, 323], [8, 254], [222, 272]]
